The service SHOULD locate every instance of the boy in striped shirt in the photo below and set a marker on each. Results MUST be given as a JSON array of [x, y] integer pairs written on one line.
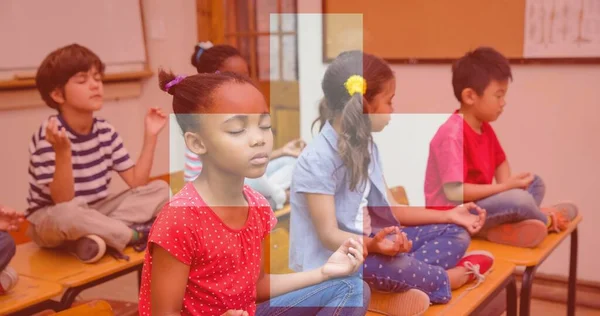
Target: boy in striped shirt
[[72, 155]]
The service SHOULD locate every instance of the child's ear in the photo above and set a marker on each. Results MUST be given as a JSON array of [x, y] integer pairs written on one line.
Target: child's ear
[[194, 142], [58, 95], [469, 96]]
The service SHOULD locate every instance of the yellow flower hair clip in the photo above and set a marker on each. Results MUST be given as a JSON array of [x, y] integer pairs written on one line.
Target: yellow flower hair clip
[[356, 84]]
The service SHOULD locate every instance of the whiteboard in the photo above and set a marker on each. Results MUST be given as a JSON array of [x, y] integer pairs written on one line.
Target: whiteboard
[[562, 28], [31, 29]]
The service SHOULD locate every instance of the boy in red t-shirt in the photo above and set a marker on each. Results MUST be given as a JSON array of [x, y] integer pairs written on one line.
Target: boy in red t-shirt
[[465, 157]]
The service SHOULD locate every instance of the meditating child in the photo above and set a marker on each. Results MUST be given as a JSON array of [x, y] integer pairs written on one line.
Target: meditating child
[[465, 157], [72, 156], [205, 254], [275, 183]]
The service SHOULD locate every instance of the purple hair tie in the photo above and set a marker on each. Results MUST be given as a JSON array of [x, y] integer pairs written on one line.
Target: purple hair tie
[[217, 72], [173, 82]]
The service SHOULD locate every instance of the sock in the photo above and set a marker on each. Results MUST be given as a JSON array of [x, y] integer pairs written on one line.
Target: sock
[[549, 221], [136, 236]]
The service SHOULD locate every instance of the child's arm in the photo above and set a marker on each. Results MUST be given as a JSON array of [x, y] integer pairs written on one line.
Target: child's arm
[[459, 192], [168, 282], [347, 259], [502, 172], [62, 187], [460, 215], [292, 148], [322, 213], [413, 216], [140, 173]]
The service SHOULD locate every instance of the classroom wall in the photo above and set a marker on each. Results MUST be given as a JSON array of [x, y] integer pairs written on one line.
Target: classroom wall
[[549, 127], [170, 47]]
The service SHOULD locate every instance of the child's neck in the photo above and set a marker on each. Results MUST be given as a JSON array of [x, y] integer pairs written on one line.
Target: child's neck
[[80, 122], [471, 120], [337, 125], [218, 188]]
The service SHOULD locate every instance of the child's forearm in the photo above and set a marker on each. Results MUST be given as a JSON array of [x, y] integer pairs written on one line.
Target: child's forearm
[[334, 238], [143, 165], [273, 285], [62, 187], [276, 154], [413, 216], [475, 192]]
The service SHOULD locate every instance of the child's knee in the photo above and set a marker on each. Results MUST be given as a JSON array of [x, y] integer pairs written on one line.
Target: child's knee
[[158, 186], [8, 247], [354, 287], [375, 266], [521, 200], [460, 236], [66, 212], [538, 181]]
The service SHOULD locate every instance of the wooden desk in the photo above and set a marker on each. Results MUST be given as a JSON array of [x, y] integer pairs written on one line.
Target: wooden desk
[[467, 302], [532, 258], [28, 293], [63, 268]]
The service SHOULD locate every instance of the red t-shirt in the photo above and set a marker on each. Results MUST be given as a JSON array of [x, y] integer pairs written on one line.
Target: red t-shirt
[[224, 262], [457, 153]]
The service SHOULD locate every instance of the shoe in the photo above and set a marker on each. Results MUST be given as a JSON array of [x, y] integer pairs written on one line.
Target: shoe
[[527, 234], [568, 209], [8, 280], [410, 303], [88, 249], [143, 230], [478, 263], [561, 215]]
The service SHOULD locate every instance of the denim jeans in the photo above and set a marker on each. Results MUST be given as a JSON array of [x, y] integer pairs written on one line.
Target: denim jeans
[[7, 249], [515, 205], [345, 296], [436, 248], [277, 179]]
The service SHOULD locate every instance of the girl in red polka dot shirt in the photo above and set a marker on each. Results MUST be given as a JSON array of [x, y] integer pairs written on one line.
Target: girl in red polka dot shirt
[[205, 253]]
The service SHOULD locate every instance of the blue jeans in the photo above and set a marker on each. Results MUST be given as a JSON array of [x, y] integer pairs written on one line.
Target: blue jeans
[[515, 205], [436, 248], [7, 249], [277, 179], [345, 296]]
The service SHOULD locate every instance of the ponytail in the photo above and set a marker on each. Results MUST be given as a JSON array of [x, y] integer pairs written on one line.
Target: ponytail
[[355, 139], [351, 82]]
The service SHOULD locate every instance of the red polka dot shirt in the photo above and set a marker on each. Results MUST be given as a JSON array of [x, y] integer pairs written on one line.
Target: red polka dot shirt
[[224, 262]]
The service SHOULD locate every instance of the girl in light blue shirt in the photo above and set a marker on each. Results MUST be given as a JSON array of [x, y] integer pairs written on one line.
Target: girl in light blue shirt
[[338, 191]]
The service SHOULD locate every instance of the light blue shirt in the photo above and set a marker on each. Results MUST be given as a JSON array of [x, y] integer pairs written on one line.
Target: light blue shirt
[[320, 170]]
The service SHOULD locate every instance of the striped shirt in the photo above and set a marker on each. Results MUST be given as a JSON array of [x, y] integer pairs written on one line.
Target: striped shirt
[[193, 166], [93, 157]]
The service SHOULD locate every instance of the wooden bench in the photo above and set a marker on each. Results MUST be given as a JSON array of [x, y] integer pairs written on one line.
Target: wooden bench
[[75, 276], [464, 302], [474, 301], [532, 258], [62, 270], [27, 294], [96, 308]]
